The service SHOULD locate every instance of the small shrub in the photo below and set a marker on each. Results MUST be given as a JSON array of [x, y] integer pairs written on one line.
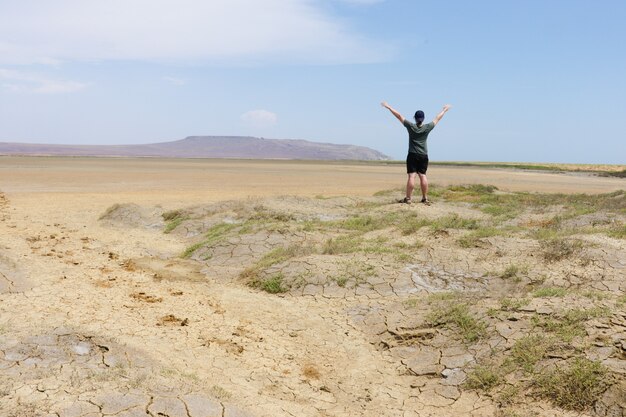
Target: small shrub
[[273, 285], [575, 387], [173, 224], [168, 216], [513, 304], [483, 378], [529, 350], [549, 292], [458, 315], [513, 271], [341, 281], [557, 249]]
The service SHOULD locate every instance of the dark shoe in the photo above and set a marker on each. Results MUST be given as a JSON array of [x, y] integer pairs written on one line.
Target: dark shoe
[[426, 201], [405, 200]]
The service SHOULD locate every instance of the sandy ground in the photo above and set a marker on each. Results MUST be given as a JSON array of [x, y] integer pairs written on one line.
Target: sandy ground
[[84, 332]]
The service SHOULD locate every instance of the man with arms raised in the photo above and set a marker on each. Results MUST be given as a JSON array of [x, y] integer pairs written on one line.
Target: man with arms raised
[[417, 159]]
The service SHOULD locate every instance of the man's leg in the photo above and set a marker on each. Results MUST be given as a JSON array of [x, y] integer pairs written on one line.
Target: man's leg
[[410, 185], [424, 186]]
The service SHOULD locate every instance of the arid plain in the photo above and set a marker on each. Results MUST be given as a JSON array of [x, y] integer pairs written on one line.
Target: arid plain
[[166, 287]]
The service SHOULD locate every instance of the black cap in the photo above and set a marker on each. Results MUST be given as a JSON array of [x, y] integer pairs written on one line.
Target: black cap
[[419, 116]]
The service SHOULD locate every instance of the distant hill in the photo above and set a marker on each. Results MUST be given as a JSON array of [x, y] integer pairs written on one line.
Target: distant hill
[[206, 147]]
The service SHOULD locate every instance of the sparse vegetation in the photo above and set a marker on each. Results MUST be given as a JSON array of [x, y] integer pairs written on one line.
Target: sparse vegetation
[[475, 238], [454, 221], [211, 237], [557, 249], [483, 377], [549, 292], [513, 272], [513, 304], [458, 316], [529, 350], [342, 244], [574, 387], [273, 285], [568, 324], [252, 275]]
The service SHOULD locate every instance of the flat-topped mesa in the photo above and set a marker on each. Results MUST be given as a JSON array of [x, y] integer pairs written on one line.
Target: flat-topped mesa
[[244, 147]]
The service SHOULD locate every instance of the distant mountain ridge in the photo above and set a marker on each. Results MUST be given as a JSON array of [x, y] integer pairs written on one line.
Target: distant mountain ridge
[[246, 147]]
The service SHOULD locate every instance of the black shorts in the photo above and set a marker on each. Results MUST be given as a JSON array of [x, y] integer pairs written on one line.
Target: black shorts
[[416, 163]]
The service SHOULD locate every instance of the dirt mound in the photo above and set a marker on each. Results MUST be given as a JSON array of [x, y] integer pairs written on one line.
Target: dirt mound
[[132, 215], [455, 296]]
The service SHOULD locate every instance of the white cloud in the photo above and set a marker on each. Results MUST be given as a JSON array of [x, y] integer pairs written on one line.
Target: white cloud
[[175, 81], [194, 31], [19, 81], [259, 118]]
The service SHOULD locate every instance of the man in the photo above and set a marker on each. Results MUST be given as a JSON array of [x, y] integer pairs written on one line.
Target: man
[[417, 159]]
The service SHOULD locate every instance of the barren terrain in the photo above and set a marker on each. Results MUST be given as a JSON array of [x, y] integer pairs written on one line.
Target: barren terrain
[[134, 287]]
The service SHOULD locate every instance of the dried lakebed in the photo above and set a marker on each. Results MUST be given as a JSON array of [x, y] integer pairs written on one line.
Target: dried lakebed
[[485, 303]]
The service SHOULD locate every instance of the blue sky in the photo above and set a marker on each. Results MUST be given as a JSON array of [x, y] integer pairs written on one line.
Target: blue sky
[[536, 81]]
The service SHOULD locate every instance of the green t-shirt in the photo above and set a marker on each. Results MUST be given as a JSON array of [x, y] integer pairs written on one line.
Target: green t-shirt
[[418, 136]]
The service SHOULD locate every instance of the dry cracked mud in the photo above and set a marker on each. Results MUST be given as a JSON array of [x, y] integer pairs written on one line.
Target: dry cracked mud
[[321, 306]]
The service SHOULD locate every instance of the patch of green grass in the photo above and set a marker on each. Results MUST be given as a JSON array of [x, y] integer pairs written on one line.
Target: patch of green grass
[[506, 397], [619, 174], [503, 211], [554, 250], [594, 295], [273, 285], [342, 244], [568, 324], [365, 223], [544, 292], [483, 378], [458, 316], [574, 387], [513, 304], [618, 231], [174, 223], [341, 281], [454, 221], [385, 193], [265, 215], [529, 350], [473, 239], [252, 275], [514, 271], [412, 224], [215, 234]]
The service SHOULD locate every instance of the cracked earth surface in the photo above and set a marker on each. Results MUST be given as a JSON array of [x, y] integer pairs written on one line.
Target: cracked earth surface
[[100, 316]]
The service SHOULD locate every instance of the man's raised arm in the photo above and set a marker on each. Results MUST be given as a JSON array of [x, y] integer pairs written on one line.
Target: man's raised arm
[[393, 111], [440, 115]]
